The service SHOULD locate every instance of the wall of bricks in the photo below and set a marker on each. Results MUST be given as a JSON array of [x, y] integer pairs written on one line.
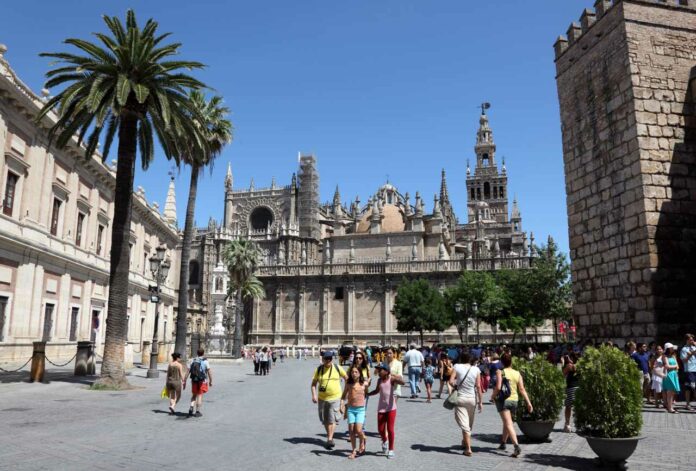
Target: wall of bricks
[[625, 86]]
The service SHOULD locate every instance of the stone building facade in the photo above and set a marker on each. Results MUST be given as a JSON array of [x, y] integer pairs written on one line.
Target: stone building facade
[[55, 239], [331, 271], [626, 76]]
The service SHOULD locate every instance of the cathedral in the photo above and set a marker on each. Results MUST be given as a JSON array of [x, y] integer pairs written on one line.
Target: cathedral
[[331, 271]]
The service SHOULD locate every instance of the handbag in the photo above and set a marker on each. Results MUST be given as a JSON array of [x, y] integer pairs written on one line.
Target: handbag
[[164, 394], [505, 390], [451, 400]]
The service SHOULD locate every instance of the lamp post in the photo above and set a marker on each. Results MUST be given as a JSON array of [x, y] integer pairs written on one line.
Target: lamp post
[[160, 269], [478, 335]]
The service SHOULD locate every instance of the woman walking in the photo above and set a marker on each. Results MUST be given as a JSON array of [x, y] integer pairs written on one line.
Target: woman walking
[[466, 380], [263, 361], [670, 383], [507, 406], [355, 395], [446, 368], [572, 383], [386, 409], [175, 381], [658, 373]]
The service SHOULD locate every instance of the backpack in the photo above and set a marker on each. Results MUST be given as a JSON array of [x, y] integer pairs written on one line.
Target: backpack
[[504, 389], [197, 371]]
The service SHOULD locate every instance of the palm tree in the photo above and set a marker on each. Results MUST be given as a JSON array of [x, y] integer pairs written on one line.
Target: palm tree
[[241, 257], [126, 83], [217, 131]]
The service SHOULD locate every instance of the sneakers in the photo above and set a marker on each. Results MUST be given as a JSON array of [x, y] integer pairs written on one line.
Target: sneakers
[[566, 429], [385, 447], [190, 414], [330, 444], [502, 446], [198, 414], [390, 454], [517, 452]]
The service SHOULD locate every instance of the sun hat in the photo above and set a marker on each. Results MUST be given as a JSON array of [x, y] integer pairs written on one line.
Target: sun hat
[[668, 345]]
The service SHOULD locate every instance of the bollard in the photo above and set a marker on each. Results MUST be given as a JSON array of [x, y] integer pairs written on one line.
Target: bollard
[[84, 360], [145, 361], [38, 362], [195, 344]]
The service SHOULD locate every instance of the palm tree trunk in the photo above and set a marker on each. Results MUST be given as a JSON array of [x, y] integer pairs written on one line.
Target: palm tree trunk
[[112, 370], [182, 305], [237, 352]]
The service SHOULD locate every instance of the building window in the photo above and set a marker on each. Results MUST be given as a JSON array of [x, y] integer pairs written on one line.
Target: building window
[[10, 193], [95, 326], [145, 264], [193, 272], [100, 239], [130, 255], [473, 194], [78, 230], [3, 316], [218, 284], [338, 294], [55, 216], [484, 160], [74, 314], [502, 192], [48, 322]]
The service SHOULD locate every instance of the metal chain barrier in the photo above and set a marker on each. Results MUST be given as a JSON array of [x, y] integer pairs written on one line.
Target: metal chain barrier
[[62, 365], [18, 369]]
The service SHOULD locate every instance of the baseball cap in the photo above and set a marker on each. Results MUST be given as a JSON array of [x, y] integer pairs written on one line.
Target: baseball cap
[[382, 366], [327, 354]]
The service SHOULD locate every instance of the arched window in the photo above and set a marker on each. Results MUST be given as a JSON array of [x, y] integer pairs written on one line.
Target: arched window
[[486, 190], [261, 218], [484, 160], [502, 192], [193, 272], [473, 194]]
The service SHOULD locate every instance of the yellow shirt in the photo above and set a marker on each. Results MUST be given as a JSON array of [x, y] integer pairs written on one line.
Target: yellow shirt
[[397, 368], [513, 377], [329, 379]]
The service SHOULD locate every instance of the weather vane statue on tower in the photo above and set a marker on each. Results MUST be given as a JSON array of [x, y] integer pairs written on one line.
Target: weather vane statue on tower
[[484, 106]]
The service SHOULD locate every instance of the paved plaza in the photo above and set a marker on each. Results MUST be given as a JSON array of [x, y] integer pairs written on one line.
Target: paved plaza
[[262, 423]]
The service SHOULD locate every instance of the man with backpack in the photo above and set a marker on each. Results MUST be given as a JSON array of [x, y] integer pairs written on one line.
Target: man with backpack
[[327, 379], [201, 380]]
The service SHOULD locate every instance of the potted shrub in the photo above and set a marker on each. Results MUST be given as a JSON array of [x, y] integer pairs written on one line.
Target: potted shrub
[[545, 386], [608, 404]]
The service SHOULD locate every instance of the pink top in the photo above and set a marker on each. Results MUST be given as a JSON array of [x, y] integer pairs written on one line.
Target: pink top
[[356, 395], [386, 396]]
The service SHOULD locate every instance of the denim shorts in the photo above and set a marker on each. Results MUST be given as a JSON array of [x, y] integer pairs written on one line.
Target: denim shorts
[[356, 415]]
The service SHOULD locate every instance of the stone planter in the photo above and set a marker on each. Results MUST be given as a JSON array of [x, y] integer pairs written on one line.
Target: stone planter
[[613, 451], [536, 431]]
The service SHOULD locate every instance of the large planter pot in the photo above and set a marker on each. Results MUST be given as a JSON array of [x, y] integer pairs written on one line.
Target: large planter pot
[[536, 431], [613, 450]]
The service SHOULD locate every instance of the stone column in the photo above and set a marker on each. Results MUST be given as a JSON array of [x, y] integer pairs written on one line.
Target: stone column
[[38, 362], [301, 313], [278, 314], [147, 348], [350, 327], [84, 361]]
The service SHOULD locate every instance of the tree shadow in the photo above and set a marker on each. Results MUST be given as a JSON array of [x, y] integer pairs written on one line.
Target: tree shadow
[[49, 377], [674, 236], [573, 463]]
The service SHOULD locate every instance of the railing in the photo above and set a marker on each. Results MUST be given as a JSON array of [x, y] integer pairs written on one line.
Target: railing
[[386, 267]]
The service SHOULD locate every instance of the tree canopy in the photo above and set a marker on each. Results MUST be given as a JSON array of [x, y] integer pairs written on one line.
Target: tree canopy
[[420, 307]]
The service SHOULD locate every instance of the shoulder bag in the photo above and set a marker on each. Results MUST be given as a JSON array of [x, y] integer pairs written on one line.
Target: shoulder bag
[[451, 400]]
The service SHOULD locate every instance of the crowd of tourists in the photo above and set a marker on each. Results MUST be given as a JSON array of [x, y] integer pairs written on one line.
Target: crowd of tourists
[[467, 375]]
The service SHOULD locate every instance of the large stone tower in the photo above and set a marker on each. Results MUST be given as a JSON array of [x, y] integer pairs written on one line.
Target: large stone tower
[[626, 86], [487, 184]]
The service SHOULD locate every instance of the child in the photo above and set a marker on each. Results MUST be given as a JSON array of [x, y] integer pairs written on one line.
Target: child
[[355, 393], [429, 378], [658, 373], [386, 410]]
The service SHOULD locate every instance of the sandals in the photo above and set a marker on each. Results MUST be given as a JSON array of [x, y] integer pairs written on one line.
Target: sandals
[[467, 453], [353, 455]]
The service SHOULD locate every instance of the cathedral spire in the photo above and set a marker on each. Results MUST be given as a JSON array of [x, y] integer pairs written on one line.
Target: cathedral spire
[[444, 195], [170, 204], [336, 198], [229, 181], [485, 146]]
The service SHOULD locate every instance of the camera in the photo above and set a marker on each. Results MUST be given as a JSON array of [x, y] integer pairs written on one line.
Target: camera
[[322, 388]]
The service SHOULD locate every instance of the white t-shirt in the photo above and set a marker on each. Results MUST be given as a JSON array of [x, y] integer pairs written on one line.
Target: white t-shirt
[[468, 386], [413, 358]]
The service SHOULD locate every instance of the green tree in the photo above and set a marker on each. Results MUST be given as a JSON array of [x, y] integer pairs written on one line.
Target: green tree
[[550, 288], [517, 313], [478, 297], [242, 257], [128, 84], [211, 120], [420, 307]]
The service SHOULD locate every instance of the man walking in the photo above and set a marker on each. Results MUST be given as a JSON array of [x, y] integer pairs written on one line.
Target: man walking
[[415, 363], [201, 379], [688, 358], [326, 393]]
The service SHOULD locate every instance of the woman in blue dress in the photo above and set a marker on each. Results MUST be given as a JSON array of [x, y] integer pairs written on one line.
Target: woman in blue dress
[[670, 383]]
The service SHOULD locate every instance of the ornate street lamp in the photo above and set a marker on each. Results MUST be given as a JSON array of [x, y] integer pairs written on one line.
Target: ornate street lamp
[[160, 269]]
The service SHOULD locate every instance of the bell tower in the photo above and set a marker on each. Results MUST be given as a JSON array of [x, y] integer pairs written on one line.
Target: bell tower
[[487, 184]]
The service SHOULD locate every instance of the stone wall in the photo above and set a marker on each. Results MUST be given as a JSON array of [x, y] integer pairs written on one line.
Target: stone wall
[[628, 127]]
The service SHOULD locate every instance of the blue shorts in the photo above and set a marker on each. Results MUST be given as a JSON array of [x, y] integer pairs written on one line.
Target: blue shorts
[[356, 415]]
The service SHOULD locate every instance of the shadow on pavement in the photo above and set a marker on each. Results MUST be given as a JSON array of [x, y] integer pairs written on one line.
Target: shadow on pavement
[[305, 441], [573, 463], [49, 377], [450, 450]]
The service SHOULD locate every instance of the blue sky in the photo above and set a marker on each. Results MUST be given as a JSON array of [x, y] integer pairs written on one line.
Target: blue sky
[[373, 89]]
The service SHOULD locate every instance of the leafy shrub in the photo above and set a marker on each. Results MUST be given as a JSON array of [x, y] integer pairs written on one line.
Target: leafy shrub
[[545, 387], [609, 400]]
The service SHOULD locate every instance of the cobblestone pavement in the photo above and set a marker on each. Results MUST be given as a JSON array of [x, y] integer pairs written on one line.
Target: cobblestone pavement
[[263, 423]]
